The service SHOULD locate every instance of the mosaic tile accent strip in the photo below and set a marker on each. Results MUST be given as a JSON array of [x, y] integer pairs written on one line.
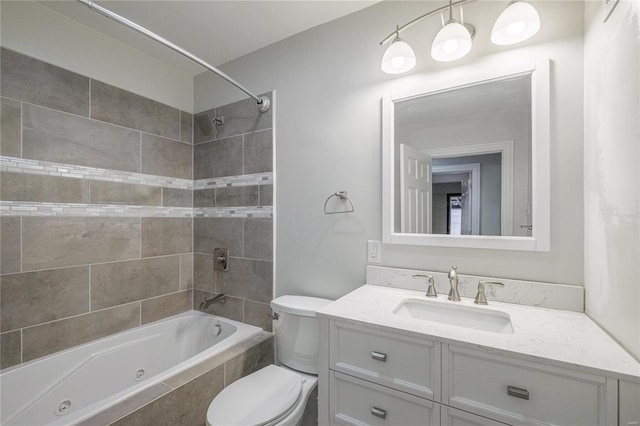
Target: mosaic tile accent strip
[[14, 208], [22, 165]]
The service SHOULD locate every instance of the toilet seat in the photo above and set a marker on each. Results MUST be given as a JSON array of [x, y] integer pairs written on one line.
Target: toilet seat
[[259, 399]]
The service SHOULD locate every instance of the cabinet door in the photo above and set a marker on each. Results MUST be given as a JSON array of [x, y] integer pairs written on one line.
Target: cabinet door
[[401, 362], [522, 392], [358, 402], [452, 417]]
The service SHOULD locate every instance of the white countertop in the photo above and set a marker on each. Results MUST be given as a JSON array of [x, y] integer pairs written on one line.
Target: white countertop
[[554, 337]]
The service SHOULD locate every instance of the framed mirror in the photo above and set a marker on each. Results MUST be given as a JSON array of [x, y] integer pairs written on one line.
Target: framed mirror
[[466, 160]]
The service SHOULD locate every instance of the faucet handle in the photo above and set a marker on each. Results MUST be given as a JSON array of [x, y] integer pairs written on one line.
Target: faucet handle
[[481, 298], [431, 290]]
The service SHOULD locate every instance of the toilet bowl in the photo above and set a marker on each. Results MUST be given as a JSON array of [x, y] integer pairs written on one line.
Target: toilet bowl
[[277, 395]]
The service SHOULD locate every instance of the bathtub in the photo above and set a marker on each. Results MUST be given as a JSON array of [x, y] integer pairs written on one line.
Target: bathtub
[[73, 385]]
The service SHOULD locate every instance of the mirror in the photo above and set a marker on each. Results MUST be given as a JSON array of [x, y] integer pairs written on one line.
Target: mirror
[[465, 161]]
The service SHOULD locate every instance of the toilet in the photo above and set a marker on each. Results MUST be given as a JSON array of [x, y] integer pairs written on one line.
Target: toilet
[[277, 395]]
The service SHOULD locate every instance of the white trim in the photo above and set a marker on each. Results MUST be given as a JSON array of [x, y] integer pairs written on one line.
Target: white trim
[[540, 123], [505, 148]]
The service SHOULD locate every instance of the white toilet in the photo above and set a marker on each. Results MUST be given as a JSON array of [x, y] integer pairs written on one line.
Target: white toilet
[[277, 395]]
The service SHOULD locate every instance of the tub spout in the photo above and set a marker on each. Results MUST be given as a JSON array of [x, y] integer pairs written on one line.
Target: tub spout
[[220, 298]]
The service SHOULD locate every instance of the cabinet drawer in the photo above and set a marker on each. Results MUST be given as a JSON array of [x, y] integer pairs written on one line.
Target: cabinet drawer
[[358, 402], [400, 362], [521, 392], [452, 417]]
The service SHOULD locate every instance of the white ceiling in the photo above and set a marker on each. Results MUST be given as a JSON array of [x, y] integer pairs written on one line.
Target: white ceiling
[[216, 31]]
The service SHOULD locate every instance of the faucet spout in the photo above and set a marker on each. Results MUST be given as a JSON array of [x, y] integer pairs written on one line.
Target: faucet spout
[[454, 296], [220, 298]]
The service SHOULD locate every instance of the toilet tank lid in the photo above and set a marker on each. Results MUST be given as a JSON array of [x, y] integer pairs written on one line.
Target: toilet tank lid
[[299, 305]]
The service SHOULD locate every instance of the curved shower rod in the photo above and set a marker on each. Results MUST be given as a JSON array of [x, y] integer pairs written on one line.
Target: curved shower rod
[[263, 102]]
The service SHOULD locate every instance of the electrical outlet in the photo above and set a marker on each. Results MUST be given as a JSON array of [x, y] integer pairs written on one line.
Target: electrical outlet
[[373, 251]]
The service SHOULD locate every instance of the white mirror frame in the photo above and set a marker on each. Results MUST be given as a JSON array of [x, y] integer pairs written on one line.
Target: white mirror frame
[[540, 159]]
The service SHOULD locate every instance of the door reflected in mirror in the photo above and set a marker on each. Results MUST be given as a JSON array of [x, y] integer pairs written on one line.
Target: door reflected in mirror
[[463, 160]]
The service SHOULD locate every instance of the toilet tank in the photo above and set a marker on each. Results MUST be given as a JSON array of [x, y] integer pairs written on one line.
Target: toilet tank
[[296, 331]]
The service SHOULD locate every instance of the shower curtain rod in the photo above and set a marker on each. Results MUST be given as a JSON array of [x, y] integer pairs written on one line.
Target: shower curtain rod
[[263, 102]]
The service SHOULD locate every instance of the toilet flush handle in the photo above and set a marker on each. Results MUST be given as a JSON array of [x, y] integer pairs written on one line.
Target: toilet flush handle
[[274, 316]]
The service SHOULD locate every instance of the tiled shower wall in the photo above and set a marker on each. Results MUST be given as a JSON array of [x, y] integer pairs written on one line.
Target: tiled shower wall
[[97, 210], [243, 145], [70, 273]]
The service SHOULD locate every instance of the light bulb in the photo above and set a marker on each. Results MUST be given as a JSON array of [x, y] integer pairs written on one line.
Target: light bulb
[[518, 22], [452, 42], [398, 58]]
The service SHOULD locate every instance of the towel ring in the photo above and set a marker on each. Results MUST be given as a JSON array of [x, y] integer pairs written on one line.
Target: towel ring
[[343, 196]]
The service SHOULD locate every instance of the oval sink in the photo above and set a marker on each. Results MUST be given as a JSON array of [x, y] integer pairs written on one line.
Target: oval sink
[[456, 315]]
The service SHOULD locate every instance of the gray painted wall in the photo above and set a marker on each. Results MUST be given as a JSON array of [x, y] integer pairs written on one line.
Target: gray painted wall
[[328, 138], [612, 176]]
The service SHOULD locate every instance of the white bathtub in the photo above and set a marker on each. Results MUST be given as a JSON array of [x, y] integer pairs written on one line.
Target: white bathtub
[[73, 385]]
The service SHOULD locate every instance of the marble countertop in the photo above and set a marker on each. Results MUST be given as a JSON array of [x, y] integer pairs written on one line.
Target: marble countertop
[[554, 337]]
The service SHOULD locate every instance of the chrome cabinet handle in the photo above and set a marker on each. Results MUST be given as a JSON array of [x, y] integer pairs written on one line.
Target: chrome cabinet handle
[[517, 392], [379, 356], [379, 412]]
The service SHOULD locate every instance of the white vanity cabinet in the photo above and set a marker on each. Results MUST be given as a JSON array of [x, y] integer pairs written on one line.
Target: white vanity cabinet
[[375, 376]]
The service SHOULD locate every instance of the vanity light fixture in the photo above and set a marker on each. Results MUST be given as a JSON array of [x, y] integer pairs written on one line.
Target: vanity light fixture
[[518, 22], [399, 57]]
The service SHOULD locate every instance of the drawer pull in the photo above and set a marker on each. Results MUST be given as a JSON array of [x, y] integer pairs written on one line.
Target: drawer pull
[[517, 392], [379, 412], [379, 356]]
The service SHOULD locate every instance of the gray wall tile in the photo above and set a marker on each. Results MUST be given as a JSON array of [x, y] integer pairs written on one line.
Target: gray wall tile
[[249, 362], [63, 138], [210, 233], [186, 127], [103, 192], [117, 106], [232, 196], [122, 282], [10, 244], [36, 297], [266, 195], [10, 349], [54, 242], [232, 308], [10, 128], [203, 275], [42, 188], [186, 405], [204, 197], [219, 158], [166, 235], [258, 152], [164, 306], [166, 157], [258, 314], [242, 117], [248, 279], [258, 239], [186, 271], [30, 80], [175, 197], [55, 336]]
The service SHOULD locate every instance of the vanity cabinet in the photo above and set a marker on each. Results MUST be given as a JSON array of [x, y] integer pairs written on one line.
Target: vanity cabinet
[[378, 377]]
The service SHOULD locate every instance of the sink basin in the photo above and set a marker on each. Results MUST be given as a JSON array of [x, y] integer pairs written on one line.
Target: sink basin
[[456, 315]]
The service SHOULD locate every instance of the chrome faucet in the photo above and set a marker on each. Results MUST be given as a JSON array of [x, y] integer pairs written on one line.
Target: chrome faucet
[[454, 296], [220, 298], [431, 291]]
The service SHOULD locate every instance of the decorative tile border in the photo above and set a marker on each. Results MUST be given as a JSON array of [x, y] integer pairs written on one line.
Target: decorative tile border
[[532, 293], [22, 165], [14, 208]]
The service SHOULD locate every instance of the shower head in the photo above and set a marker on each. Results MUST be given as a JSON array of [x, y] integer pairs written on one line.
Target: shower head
[[207, 122]]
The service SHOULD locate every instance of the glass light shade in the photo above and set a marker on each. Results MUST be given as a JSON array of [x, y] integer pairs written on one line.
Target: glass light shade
[[398, 58], [452, 42], [518, 22]]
